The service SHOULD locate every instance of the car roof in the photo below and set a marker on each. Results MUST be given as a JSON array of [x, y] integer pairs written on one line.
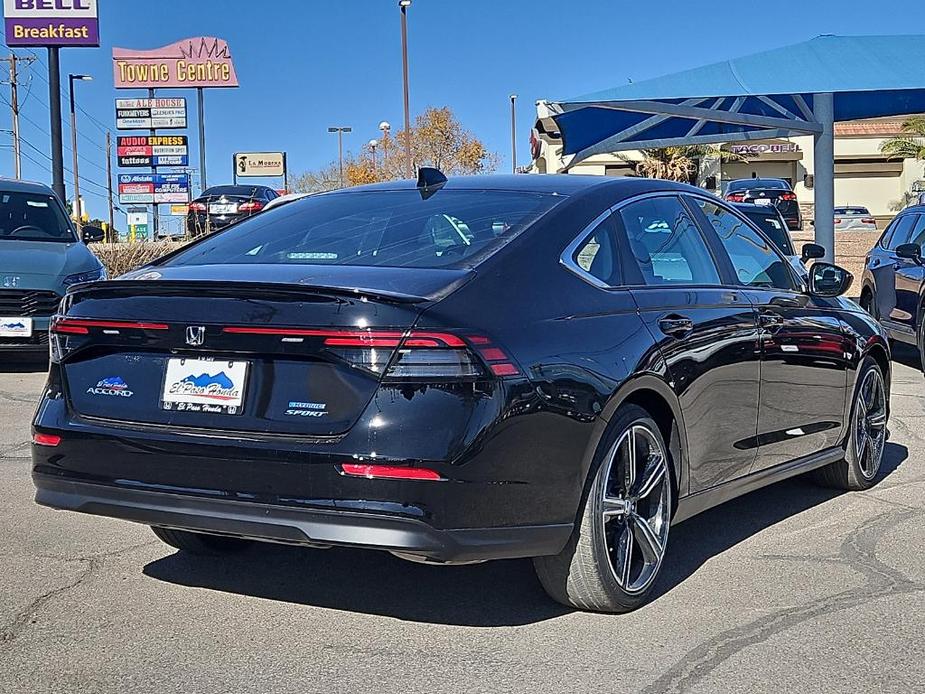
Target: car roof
[[19, 186], [920, 209], [560, 184]]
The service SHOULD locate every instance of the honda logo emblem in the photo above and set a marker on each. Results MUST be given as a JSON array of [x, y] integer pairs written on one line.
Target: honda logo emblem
[[195, 335]]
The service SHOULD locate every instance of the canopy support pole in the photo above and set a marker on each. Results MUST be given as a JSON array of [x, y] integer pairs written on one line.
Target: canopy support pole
[[824, 173]]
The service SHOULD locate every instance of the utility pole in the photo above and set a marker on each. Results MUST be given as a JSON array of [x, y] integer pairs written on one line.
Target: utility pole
[[112, 228], [340, 130], [14, 105], [403, 6], [54, 114]]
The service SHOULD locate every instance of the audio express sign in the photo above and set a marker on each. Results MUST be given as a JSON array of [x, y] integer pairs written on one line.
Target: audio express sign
[[152, 150], [153, 188], [150, 114]]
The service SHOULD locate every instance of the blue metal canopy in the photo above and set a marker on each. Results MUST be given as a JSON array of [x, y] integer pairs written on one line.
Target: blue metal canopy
[[796, 90]]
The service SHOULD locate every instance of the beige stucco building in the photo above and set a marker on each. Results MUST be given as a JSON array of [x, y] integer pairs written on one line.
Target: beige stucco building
[[863, 175]]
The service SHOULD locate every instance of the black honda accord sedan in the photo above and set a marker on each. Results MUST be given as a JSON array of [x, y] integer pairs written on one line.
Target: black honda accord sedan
[[554, 367]]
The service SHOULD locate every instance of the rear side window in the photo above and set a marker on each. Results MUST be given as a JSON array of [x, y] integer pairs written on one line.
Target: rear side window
[[918, 233], [666, 245], [451, 228], [597, 254], [899, 232]]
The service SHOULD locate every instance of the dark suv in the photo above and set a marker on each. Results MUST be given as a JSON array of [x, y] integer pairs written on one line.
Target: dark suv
[[893, 284], [768, 191]]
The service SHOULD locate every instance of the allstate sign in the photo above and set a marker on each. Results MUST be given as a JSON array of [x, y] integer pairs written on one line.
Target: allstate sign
[[51, 22]]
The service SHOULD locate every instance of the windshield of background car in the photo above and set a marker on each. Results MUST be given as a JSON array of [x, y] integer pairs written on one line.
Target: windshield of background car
[[852, 211], [244, 191], [376, 228], [33, 217], [774, 230], [753, 183]]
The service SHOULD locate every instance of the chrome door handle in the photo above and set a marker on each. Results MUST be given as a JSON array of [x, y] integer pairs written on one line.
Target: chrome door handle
[[770, 320], [676, 326]]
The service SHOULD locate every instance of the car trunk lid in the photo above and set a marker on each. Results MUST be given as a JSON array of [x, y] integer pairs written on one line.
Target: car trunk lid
[[286, 351]]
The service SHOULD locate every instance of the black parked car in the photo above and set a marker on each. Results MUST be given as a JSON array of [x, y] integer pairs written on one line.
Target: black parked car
[[893, 286], [770, 221], [555, 367], [768, 191], [220, 206]]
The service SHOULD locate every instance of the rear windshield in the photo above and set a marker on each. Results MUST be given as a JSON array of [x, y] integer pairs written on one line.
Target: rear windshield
[[244, 191], [774, 229], [748, 183], [860, 211], [378, 228], [33, 217]]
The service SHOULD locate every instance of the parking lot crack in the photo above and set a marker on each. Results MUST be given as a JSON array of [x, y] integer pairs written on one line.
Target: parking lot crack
[[26, 616], [858, 552]]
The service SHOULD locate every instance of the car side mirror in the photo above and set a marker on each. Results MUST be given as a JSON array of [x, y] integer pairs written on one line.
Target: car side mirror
[[811, 251], [92, 234], [828, 280], [910, 251]]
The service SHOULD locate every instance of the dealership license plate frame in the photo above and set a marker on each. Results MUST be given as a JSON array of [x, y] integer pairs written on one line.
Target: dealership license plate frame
[[26, 331], [236, 370], [762, 201], [223, 208]]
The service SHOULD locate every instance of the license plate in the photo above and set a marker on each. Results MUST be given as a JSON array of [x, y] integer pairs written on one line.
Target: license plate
[[222, 208], [204, 385], [15, 327], [762, 201]]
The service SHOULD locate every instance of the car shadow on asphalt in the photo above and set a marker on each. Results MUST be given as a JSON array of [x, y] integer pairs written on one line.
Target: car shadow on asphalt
[[500, 593], [713, 532]]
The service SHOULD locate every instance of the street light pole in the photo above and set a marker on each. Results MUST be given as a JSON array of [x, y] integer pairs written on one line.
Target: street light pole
[[385, 128], [403, 6], [77, 205], [513, 134], [340, 130], [372, 148]]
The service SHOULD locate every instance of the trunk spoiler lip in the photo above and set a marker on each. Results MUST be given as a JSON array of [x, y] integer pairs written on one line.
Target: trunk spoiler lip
[[382, 295]]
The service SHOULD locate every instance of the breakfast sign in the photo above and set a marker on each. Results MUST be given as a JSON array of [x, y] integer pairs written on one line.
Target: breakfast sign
[[204, 61], [63, 23]]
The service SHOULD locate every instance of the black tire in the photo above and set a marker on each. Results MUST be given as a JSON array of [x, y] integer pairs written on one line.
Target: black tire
[[857, 471], [867, 302], [200, 543], [581, 575]]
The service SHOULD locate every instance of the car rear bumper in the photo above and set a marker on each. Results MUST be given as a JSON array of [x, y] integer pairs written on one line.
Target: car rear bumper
[[274, 523]]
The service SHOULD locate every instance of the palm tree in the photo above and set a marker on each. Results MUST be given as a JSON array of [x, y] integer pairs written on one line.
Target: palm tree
[[909, 145], [680, 163]]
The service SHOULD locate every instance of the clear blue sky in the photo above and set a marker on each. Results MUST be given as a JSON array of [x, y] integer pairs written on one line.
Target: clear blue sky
[[304, 65]]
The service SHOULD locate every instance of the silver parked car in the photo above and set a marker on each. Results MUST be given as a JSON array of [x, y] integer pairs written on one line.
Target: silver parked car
[[41, 255], [854, 219]]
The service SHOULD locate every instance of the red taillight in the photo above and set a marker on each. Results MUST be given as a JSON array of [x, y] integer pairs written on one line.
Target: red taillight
[[45, 439], [788, 196], [81, 326], [389, 472], [250, 206], [197, 207], [869, 220], [736, 197]]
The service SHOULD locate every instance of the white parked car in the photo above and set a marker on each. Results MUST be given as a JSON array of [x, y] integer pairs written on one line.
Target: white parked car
[[854, 219]]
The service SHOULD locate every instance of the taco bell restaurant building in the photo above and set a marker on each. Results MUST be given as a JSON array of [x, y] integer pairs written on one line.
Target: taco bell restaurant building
[[863, 175]]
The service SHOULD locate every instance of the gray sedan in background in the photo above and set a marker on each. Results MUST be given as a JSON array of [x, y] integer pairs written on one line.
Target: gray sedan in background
[[854, 219], [41, 255]]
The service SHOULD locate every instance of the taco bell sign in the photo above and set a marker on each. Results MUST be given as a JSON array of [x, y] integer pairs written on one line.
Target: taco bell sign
[[63, 23]]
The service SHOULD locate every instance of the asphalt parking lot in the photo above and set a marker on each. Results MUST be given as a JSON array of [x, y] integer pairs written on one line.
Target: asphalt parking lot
[[792, 588]]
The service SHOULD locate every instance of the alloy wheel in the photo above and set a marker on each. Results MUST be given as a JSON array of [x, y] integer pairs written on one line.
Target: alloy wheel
[[636, 508], [870, 423]]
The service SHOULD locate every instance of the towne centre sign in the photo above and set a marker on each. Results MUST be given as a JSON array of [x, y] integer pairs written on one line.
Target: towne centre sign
[[198, 62]]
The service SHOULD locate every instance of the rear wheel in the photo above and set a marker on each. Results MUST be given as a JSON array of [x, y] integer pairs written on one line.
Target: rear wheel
[[200, 543], [867, 437], [615, 553]]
